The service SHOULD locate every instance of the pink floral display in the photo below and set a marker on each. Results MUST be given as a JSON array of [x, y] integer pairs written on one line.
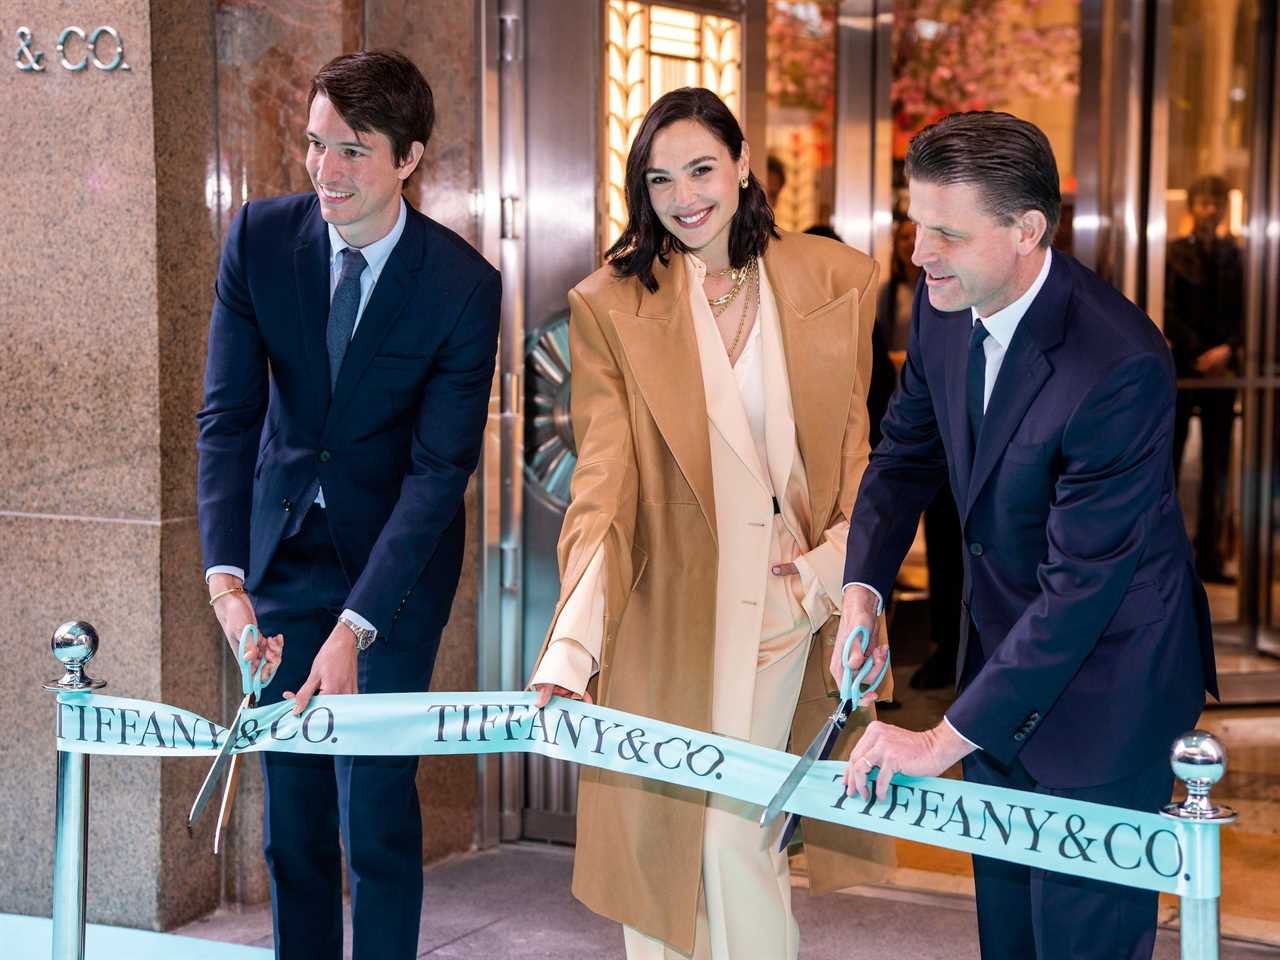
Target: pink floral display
[[953, 55]]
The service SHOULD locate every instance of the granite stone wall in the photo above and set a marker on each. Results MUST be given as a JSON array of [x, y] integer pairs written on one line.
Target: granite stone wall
[[121, 186]]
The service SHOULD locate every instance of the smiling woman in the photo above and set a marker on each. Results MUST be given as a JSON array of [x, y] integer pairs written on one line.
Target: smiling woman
[[720, 370]]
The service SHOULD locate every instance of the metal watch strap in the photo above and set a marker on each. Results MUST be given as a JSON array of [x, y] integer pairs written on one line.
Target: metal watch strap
[[364, 636]]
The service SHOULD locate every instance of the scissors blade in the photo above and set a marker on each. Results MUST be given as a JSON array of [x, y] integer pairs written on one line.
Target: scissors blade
[[210, 785], [819, 749]]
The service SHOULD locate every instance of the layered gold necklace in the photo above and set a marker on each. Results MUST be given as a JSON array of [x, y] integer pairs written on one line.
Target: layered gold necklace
[[744, 278]]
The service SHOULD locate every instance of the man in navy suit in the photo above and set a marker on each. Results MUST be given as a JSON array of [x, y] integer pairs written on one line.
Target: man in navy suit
[[351, 352], [1046, 400]]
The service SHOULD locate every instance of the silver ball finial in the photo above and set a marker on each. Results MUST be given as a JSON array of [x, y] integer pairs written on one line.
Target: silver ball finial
[[1199, 760], [74, 644]]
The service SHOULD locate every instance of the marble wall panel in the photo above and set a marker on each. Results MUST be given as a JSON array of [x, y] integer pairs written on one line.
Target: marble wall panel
[[442, 39], [106, 573], [77, 294], [268, 51]]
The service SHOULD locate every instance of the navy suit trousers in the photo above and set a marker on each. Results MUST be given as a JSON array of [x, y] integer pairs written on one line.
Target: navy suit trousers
[[1041, 915], [372, 801]]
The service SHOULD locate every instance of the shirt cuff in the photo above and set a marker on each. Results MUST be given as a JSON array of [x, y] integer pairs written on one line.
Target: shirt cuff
[[359, 621], [224, 568], [947, 721], [566, 663], [859, 583]]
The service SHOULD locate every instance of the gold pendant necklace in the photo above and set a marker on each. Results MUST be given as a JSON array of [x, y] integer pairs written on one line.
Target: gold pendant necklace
[[739, 277], [749, 277]]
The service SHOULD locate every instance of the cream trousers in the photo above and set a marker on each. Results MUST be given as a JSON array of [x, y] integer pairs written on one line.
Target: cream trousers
[[744, 905]]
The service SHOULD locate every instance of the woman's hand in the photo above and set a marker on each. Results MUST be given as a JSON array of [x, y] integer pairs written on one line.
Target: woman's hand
[[546, 691]]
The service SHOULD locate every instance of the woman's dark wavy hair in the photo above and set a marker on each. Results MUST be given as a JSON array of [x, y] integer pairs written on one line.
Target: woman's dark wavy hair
[[645, 238]]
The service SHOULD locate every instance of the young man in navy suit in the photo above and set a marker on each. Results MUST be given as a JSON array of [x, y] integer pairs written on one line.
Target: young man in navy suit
[[1046, 401], [351, 351]]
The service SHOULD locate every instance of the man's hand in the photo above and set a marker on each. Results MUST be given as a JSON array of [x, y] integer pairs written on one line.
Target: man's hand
[[546, 691], [857, 609], [895, 750], [234, 612], [332, 671], [1214, 361]]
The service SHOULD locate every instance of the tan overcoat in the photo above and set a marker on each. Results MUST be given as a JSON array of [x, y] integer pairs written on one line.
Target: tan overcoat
[[643, 489]]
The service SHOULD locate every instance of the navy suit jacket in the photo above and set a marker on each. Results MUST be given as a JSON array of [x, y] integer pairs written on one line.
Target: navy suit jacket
[[1093, 633], [394, 445]]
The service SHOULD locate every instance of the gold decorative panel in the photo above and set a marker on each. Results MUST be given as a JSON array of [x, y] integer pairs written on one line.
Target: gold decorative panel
[[652, 49]]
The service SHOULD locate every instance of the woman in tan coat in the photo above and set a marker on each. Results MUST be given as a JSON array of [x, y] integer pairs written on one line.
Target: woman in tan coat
[[720, 375]]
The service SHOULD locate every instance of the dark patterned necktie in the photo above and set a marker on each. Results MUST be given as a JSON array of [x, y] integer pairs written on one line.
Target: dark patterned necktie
[[343, 309], [976, 381]]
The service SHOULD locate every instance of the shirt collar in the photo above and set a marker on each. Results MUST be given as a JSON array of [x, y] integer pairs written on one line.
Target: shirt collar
[[377, 253], [1002, 324]]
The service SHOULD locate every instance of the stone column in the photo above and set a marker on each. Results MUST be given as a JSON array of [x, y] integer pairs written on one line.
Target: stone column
[[121, 185]]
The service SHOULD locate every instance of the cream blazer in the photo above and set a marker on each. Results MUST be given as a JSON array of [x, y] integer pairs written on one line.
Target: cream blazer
[[759, 617]]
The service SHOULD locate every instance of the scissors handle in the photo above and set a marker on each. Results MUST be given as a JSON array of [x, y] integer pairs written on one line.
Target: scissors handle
[[854, 687], [251, 680]]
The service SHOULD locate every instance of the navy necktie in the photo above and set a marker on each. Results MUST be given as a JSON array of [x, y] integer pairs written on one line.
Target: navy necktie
[[343, 309], [976, 381]]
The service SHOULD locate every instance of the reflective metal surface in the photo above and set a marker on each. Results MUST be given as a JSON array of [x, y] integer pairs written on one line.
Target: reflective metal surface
[[564, 76], [1199, 760], [864, 135], [550, 455], [74, 644]]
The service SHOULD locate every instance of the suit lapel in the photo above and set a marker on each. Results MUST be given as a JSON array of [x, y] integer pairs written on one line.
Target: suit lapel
[[386, 303], [779, 418], [958, 325], [821, 359], [662, 352], [724, 404], [311, 276], [1022, 373]]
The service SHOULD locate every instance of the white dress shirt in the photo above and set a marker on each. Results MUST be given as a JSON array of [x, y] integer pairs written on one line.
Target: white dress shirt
[[1001, 327], [376, 255]]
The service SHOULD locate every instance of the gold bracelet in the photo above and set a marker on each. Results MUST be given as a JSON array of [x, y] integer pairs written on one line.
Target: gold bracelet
[[218, 596]]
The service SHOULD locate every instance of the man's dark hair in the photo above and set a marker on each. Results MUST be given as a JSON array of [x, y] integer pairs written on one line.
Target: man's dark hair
[[379, 90], [777, 169], [645, 237], [1211, 186], [1008, 160]]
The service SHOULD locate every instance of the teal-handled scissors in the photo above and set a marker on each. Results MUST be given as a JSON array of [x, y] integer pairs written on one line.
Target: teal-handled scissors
[[853, 687], [251, 683]]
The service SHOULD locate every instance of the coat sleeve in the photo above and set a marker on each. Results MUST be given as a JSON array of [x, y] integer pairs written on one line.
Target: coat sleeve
[[1116, 450], [600, 522], [907, 469], [444, 451], [229, 424]]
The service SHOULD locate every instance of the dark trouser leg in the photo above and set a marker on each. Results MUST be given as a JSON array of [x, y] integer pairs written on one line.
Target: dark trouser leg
[[1005, 923], [1182, 408], [301, 598], [946, 573], [381, 814], [1077, 918], [1217, 418], [1028, 913]]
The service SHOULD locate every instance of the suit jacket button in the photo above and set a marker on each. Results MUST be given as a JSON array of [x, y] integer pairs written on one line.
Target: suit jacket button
[[1019, 736], [1034, 718], [975, 549], [286, 504], [324, 456]]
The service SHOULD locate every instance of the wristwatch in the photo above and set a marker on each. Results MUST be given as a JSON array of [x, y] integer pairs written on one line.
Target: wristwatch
[[364, 635]]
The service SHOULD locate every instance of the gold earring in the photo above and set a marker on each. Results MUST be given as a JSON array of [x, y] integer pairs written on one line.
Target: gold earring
[[743, 183]]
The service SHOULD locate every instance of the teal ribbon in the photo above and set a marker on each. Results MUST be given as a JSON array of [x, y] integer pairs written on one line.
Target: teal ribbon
[[1122, 846]]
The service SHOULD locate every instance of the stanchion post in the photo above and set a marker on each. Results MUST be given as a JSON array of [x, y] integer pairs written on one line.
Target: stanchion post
[[74, 644], [1200, 761]]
